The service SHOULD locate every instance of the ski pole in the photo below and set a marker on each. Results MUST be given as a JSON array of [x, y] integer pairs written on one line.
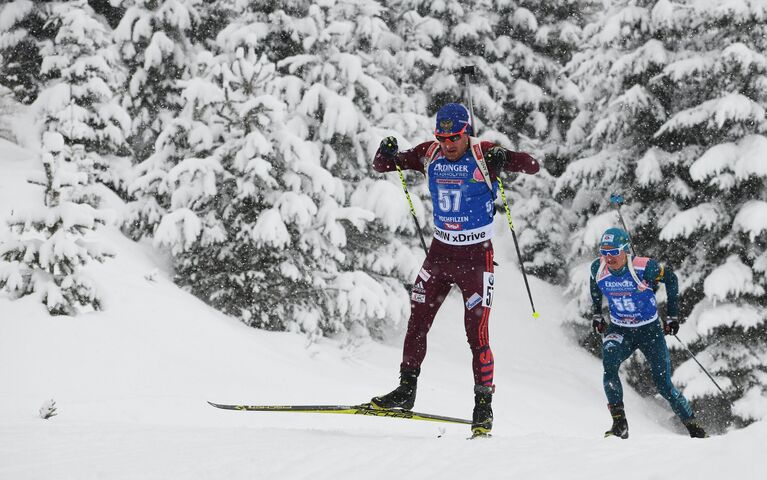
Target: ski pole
[[617, 200], [412, 210], [516, 246], [704, 370], [469, 71]]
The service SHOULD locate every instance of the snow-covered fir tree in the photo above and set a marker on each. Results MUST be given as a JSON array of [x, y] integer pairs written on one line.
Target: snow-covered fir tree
[[715, 90], [265, 221], [48, 246], [230, 245], [534, 42], [153, 41], [671, 119], [24, 29], [439, 38], [81, 124], [79, 100], [191, 134], [8, 108], [343, 95]]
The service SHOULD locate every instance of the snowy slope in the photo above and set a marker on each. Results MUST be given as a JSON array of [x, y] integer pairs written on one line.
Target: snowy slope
[[131, 384]]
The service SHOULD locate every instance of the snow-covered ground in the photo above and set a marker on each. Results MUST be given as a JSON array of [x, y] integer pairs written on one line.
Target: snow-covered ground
[[131, 385]]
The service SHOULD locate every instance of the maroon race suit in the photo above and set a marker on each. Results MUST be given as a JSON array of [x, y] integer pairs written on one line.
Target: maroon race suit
[[470, 267]]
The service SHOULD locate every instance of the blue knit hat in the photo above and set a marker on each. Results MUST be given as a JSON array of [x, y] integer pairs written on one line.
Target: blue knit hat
[[453, 118], [615, 238]]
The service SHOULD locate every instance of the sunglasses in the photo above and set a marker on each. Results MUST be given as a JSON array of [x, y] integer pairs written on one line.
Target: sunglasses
[[449, 138], [611, 252]]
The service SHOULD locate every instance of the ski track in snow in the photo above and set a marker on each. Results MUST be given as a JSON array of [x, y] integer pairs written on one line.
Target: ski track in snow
[[131, 385]]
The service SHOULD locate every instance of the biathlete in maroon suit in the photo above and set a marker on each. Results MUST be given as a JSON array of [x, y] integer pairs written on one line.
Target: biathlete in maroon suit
[[461, 252]]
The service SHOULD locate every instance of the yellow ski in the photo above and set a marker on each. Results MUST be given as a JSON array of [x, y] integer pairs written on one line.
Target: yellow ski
[[363, 409]]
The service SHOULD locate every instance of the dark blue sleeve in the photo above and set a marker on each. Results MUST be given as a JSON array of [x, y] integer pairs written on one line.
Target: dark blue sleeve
[[596, 293], [656, 272]]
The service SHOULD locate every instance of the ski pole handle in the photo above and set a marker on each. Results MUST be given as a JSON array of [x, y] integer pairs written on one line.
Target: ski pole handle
[[470, 70]]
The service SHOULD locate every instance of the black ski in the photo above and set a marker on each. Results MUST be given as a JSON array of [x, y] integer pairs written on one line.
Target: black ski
[[363, 409]]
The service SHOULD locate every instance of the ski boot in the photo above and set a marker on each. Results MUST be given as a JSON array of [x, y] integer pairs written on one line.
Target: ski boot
[[482, 418], [402, 397], [696, 431], [620, 426]]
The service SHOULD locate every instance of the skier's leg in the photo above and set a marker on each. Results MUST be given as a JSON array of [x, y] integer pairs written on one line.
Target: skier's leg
[[476, 280], [617, 346], [429, 291], [477, 283], [652, 343]]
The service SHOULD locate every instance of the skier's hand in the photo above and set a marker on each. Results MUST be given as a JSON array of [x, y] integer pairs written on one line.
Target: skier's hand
[[496, 157], [598, 323], [389, 147], [671, 326]]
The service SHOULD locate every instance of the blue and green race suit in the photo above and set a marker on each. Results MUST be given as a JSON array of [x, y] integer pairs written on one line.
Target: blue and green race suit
[[635, 325]]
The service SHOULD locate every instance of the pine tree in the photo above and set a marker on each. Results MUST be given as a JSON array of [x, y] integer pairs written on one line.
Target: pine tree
[[47, 249], [242, 239], [612, 132], [534, 42], [23, 31], [344, 93], [715, 91], [288, 248], [152, 40], [674, 100], [79, 100]]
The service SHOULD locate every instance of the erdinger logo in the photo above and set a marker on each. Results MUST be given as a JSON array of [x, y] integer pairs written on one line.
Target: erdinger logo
[[442, 168], [622, 284], [446, 125]]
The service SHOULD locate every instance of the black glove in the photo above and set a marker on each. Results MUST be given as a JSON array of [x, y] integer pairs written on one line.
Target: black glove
[[496, 158], [389, 147], [671, 326], [598, 323]]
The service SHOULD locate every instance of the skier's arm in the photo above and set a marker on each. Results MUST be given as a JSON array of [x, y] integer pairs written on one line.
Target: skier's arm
[[596, 293], [510, 161], [412, 159], [656, 272]]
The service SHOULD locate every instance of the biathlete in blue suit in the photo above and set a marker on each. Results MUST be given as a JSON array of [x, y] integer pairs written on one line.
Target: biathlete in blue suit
[[629, 283]]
